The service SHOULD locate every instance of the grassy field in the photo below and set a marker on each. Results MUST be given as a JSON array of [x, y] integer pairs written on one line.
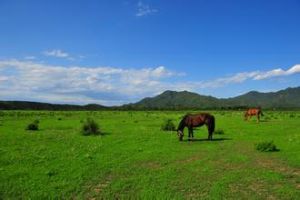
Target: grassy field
[[135, 159]]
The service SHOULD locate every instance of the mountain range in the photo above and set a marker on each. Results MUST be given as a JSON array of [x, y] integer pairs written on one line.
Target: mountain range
[[171, 100]]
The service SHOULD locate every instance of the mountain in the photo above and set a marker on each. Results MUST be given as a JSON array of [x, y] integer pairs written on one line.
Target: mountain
[[176, 100], [288, 98], [27, 105], [172, 100]]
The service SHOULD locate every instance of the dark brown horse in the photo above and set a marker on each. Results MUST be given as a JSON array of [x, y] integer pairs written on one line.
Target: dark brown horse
[[195, 120], [253, 112]]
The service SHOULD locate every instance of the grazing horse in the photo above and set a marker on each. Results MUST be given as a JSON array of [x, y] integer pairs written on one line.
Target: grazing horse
[[195, 120], [253, 111]]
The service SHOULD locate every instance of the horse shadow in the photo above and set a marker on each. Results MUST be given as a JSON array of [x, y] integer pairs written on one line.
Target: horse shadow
[[202, 140]]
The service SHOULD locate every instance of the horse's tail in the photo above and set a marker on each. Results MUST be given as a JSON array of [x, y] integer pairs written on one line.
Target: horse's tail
[[211, 125]]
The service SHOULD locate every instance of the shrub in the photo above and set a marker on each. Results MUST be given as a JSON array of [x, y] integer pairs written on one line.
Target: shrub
[[34, 126], [219, 132], [266, 146], [90, 127], [168, 125]]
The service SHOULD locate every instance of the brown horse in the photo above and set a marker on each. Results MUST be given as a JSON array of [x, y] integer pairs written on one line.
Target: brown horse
[[253, 112], [195, 120]]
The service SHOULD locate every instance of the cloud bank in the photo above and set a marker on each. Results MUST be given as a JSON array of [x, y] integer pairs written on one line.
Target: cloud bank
[[33, 81], [74, 84]]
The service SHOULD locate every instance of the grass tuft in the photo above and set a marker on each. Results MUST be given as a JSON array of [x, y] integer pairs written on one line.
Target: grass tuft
[[168, 125], [90, 127], [34, 126], [266, 146]]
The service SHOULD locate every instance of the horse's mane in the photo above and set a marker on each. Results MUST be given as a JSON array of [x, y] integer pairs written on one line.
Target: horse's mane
[[182, 122]]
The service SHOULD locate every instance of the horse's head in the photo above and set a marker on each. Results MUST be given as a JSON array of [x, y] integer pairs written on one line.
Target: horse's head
[[246, 115], [180, 134]]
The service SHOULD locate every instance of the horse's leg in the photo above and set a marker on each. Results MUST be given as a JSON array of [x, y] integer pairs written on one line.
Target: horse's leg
[[190, 132], [209, 134]]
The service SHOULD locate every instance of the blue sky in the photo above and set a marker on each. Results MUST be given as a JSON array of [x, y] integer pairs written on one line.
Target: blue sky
[[115, 52]]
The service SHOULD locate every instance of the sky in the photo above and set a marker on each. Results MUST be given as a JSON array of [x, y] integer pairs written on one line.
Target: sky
[[120, 51]]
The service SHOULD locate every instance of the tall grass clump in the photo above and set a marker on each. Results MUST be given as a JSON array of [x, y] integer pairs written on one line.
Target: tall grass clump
[[292, 116], [33, 126], [90, 127], [266, 146], [168, 125]]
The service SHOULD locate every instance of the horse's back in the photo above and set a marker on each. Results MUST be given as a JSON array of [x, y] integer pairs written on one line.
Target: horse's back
[[198, 119], [253, 111]]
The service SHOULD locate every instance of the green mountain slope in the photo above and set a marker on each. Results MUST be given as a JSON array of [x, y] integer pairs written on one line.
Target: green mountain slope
[[172, 100], [288, 98], [176, 100]]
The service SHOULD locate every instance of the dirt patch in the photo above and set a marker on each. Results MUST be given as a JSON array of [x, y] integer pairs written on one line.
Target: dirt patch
[[279, 166], [150, 165], [290, 174], [96, 190], [189, 160], [103, 184]]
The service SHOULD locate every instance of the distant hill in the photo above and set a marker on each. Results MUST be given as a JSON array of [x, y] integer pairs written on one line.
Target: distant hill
[[27, 105], [172, 100], [176, 100], [288, 98]]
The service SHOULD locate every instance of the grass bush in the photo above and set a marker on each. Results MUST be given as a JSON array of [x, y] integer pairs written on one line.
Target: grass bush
[[168, 125], [292, 116], [33, 126], [219, 132], [266, 146], [90, 127]]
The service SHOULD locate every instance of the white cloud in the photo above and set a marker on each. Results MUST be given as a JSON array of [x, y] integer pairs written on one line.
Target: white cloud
[[244, 76], [104, 85], [32, 79], [144, 9], [277, 72], [3, 78], [56, 53]]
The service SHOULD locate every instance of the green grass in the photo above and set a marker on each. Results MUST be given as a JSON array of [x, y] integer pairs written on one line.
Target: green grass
[[135, 159]]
